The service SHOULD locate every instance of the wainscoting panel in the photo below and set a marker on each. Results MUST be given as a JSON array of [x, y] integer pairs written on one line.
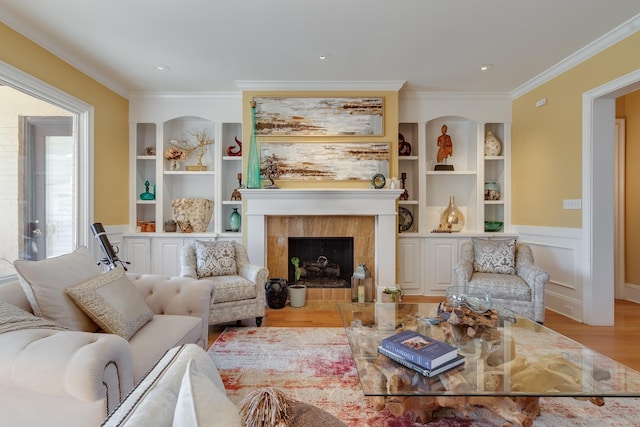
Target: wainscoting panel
[[559, 252]]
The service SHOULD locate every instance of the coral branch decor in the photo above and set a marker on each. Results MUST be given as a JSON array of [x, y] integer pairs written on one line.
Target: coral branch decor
[[199, 148]]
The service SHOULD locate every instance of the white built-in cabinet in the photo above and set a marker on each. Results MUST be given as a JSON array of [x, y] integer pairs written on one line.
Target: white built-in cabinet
[[156, 121], [426, 259]]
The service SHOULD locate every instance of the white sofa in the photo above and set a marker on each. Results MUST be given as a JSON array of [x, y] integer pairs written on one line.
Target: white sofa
[[71, 378]]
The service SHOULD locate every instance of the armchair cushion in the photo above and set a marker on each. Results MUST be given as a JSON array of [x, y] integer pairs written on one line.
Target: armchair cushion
[[113, 302], [494, 256], [215, 258], [43, 283]]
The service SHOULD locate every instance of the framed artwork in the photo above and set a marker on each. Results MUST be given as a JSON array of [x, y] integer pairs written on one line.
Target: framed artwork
[[291, 116], [334, 161]]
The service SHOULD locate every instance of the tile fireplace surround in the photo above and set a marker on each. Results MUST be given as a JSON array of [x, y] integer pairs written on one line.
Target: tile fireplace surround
[[381, 204]]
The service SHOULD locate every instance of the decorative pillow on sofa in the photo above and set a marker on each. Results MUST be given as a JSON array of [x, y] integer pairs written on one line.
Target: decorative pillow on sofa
[[494, 256], [215, 258], [113, 302], [43, 283], [201, 403]]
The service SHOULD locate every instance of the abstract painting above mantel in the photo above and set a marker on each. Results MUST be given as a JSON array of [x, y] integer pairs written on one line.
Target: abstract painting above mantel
[[300, 116], [335, 161]]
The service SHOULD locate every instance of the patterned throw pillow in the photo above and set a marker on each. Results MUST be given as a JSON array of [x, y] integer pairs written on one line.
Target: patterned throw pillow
[[113, 302], [215, 259], [494, 256]]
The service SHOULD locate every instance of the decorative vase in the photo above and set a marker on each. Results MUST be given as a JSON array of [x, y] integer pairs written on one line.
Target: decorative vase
[[174, 165], [297, 295], [192, 214], [452, 218], [235, 219], [492, 145], [253, 165], [276, 292]]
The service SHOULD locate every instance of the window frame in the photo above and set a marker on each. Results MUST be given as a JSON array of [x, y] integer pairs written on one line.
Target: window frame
[[83, 132]]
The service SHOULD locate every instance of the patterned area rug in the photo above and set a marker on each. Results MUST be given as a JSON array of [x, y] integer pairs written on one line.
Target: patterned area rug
[[315, 365]]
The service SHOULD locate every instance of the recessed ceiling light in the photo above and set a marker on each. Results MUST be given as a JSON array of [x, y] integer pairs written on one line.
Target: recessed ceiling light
[[486, 67], [323, 56], [162, 67]]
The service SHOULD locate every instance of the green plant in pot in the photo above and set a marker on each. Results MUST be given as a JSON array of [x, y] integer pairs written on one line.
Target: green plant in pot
[[396, 294], [296, 263]]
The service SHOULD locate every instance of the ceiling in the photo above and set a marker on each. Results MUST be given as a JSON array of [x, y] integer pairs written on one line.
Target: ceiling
[[211, 45]]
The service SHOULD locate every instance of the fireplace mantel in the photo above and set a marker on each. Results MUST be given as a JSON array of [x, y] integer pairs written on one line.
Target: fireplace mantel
[[291, 202]]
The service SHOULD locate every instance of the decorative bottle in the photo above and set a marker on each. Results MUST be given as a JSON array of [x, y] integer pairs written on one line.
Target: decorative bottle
[[235, 220], [452, 218], [253, 165]]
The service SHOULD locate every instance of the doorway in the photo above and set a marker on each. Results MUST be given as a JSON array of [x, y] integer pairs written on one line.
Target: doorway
[[598, 194], [47, 186]]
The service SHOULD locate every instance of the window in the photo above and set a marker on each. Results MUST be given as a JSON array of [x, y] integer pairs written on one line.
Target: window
[[44, 170]]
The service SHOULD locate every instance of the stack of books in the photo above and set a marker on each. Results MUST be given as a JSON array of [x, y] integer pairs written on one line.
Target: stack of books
[[423, 354]]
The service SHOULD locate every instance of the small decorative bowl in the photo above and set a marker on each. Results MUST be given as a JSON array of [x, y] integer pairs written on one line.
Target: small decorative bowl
[[493, 225]]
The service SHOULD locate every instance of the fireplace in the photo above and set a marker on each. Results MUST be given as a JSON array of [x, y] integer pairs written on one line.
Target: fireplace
[[324, 262], [330, 204]]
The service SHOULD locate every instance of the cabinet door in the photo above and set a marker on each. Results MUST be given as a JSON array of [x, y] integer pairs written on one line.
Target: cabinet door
[[442, 256], [137, 252], [410, 265], [166, 256]]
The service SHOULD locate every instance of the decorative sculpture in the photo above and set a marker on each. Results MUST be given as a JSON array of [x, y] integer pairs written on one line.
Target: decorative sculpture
[[230, 149], [445, 149], [271, 170]]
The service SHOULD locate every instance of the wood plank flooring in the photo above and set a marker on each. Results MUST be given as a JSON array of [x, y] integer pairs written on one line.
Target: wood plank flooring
[[620, 342]]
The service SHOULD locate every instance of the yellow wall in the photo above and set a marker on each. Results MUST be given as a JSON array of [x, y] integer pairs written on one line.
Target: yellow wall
[[111, 111], [628, 107], [390, 100], [546, 142]]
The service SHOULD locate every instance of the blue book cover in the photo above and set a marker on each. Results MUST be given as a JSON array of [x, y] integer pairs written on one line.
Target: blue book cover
[[457, 361], [419, 349]]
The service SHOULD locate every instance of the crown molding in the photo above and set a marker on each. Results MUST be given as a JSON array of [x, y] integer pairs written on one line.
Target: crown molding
[[273, 85], [612, 37], [186, 95]]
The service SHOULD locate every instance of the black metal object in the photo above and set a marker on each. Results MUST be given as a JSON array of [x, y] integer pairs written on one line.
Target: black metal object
[[276, 291], [110, 253]]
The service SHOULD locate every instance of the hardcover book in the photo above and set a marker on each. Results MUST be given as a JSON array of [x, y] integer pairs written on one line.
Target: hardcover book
[[419, 349], [430, 373]]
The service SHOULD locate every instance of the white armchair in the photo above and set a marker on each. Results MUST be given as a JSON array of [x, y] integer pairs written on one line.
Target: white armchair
[[238, 284], [506, 270]]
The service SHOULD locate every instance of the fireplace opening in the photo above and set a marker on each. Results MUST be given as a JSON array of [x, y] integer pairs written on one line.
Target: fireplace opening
[[325, 262]]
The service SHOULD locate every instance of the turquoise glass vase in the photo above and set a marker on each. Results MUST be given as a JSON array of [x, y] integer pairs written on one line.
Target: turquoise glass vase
[[253, 165], [235, 219]]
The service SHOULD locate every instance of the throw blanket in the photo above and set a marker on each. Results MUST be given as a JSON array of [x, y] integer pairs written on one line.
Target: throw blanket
[[14, 319]]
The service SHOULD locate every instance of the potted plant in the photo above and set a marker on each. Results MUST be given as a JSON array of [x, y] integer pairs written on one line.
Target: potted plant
[[392, 295], [297, 291]]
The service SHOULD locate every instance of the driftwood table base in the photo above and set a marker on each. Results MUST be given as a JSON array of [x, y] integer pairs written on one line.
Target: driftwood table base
[[520, 411]]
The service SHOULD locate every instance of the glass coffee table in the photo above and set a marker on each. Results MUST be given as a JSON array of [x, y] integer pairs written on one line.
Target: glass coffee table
[[510, 362]]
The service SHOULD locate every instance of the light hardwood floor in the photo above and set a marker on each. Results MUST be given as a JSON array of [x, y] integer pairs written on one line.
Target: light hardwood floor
[[620, 342]]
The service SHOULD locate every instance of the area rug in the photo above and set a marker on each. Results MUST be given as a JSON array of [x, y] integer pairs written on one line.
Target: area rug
[[314, 365]]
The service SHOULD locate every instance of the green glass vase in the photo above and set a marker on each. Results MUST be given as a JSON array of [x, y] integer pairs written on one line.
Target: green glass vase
[[235, 220], [253, 165]]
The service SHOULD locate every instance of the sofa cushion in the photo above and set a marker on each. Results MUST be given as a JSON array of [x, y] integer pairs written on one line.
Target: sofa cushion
[[13, 318], [233, 288], [494, 256], [43, 282], [113, 302], [201, 403], [215, 258], [175, 330], [152, 402], [502, 286]]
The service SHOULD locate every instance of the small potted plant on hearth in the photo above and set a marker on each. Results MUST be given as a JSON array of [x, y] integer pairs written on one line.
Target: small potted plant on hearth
[[392, 295], [297, 291]]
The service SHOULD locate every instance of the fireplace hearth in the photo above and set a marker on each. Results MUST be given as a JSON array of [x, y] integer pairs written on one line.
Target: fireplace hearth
[[325, 262]]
